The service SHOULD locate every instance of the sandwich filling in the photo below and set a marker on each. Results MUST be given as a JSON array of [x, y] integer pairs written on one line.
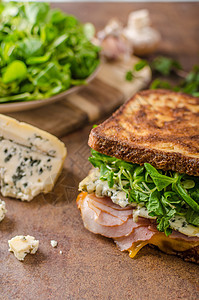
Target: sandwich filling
[[167, 201]]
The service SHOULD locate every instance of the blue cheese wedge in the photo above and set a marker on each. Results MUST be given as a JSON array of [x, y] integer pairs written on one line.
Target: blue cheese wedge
[[30, 161], [21, 245], [3, 210]]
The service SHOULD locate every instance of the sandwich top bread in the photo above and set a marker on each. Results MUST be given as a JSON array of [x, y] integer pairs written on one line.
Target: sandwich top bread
[[159, 127], [144, 188]]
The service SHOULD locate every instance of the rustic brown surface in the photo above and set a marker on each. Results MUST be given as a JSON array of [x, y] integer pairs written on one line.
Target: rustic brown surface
[[91, 267]]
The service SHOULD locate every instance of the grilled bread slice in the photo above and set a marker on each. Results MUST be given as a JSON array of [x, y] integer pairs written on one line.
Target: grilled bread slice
[[159, 127]]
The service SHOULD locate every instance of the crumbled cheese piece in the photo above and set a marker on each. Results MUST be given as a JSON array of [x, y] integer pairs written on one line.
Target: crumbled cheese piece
[[60, 252], [53, 243], [180, 224], [3, 210], [141, 211], [92, 184], [21, 245]]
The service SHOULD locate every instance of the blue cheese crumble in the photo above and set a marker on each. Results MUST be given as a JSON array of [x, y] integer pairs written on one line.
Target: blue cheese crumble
[[92, 184], [21, 245]]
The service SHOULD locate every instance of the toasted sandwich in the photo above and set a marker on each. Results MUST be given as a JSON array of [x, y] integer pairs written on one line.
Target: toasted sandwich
[[144, 187]]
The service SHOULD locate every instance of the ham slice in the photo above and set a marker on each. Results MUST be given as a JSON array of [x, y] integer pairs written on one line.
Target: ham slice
[[122, 215], [139, 234], [181, 236], [104, 218], [90, 218], [108, 202]]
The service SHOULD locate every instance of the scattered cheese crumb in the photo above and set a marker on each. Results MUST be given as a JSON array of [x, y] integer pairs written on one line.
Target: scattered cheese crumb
[[3, 210], [22, 245], [53, 243], [60, 252]]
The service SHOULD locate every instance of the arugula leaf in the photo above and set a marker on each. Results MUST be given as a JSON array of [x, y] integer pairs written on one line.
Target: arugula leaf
[[165, 65], [19, 97], [137, 196], [163, 225], [16, 70], [192, 217], [154, 206], [36, 13], [185, 196], [30, 46], [129, 75], [160, 84], [140, 65], [161, 181]]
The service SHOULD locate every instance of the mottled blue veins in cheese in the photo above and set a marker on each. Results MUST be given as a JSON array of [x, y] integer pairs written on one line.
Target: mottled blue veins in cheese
[[30, 161], [3, 210]]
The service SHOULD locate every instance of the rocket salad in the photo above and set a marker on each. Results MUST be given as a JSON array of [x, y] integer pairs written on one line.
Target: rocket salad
[[42, 52]]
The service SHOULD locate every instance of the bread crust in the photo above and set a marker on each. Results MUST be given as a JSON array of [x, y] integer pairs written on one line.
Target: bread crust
[[190, 255], [159, 127]]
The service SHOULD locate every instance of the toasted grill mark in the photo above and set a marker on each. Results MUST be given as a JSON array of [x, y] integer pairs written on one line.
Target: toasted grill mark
[[163, 124]]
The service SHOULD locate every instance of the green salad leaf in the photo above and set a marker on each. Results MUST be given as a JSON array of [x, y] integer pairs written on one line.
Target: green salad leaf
[[16, 70], [43, 51], [165, 67], [163, 193]]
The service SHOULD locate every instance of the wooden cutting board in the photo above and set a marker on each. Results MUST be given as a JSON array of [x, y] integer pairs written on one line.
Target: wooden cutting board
[[101, 97]]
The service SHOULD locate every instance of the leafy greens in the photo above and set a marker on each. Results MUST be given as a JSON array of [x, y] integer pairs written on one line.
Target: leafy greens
[[163, 193], [42, 51], [164, 66]]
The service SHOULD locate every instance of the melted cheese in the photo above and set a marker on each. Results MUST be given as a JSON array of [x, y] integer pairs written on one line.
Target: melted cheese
[[165, 243]]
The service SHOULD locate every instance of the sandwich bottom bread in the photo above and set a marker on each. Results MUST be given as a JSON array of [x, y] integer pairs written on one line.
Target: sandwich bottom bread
[[144, 187]]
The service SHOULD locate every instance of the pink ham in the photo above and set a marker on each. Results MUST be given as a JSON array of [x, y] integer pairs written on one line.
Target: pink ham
[[121, 214], [108, 202], [109, 220], [90, 217], [145, 222], [104, 218], [181, 236], [139, 234]]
